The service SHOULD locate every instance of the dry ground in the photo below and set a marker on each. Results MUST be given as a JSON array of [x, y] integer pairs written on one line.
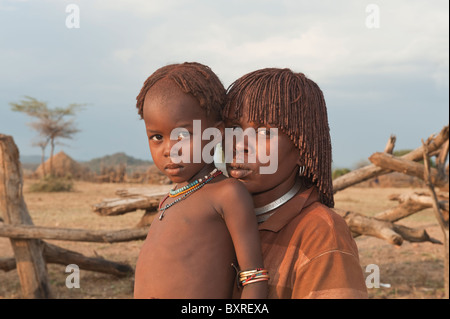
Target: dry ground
[[412, 270]]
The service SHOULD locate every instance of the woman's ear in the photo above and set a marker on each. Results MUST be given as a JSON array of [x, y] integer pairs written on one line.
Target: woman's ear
[[301, 167]]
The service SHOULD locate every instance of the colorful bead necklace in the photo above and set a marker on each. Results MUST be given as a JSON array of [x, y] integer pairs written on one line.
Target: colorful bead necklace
[[190, 186], [188, 191]]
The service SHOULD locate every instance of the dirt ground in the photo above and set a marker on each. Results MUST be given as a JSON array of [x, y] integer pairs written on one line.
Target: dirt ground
[[410, 271]]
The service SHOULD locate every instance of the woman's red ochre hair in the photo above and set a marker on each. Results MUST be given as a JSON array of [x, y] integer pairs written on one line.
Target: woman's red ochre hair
[[294, 104]]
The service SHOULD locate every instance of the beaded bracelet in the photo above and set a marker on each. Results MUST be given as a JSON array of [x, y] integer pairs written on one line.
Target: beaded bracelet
[[252, 276]]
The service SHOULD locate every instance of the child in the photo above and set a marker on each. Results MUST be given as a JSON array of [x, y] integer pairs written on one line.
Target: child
[[206, 223], [307, 247]]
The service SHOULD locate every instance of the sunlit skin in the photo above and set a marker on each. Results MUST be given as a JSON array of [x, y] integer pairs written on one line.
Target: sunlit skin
[[188, 254], [264, 188]]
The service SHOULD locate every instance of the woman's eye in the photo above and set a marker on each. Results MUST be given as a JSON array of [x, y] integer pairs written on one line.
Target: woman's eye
[[156, 137], [264, 131]]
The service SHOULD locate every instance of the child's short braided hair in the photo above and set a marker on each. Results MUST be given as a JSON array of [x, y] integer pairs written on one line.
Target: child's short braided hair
[[192, 78]]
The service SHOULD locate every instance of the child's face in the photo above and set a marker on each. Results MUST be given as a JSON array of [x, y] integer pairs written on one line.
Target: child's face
[[249, 173], [164, 111]]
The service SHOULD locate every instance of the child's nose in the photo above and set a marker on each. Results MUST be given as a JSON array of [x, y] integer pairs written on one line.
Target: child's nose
[[168, 144]]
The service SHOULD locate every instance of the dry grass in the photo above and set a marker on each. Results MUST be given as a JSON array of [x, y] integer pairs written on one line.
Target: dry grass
[[412, 270]]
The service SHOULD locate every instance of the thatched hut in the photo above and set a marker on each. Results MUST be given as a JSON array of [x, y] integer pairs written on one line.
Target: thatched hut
[[63, 165]]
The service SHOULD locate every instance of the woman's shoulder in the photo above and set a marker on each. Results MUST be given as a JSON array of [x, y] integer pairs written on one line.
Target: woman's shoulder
[[318, 222]]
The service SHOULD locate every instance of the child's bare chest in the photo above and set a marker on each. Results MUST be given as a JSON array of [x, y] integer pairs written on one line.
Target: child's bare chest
[[192, 221]]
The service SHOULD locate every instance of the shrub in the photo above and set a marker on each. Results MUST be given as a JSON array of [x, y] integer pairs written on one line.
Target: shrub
[[53, 184], [339, 172]]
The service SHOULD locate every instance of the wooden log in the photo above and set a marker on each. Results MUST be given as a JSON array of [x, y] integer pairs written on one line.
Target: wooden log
[[414, 235], [103, 236], [403, 210], [401, 165], [131, 200], [7, 264], [393, 234], [149, 192], [360, 224], [444, 224], [389, 148], [57, 255], [119, 206], [414, 201], [31, 266], [367, 172], [147, 218]]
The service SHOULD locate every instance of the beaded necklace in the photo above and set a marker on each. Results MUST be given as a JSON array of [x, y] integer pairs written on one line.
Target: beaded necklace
[[188, 191], [190, 186]]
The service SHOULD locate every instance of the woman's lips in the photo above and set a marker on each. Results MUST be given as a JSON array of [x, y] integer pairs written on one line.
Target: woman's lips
[[238, 172]]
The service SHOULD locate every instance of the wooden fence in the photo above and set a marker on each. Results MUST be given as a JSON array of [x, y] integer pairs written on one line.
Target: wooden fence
[[31, 252]]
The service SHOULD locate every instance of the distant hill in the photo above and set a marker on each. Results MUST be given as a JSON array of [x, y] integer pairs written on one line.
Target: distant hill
[[31, 159], [132, 164], [31, 162]]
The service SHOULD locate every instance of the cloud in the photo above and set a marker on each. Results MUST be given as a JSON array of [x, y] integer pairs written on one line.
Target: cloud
[[324, 41], [121, 43]]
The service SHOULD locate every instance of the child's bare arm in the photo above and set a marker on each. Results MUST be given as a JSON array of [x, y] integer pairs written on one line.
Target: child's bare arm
[[238, 212]]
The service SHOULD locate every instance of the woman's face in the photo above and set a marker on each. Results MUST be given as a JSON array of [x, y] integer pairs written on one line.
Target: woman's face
[[243, 166]]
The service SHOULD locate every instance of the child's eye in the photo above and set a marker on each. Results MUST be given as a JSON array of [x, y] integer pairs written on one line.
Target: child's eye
[[156, 137], [183, 135]]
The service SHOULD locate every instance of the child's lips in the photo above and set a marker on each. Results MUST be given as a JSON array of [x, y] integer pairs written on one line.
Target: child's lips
[[173, 169]]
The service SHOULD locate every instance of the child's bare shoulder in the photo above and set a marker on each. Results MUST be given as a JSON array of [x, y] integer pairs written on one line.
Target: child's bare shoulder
[[230, 190], [233, 202], [231, 186]]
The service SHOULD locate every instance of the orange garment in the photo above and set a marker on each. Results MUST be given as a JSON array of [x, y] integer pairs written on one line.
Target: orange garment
[[309, 252]]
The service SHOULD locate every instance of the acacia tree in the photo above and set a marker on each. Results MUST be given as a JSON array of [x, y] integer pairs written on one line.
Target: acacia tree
[[51, 124]]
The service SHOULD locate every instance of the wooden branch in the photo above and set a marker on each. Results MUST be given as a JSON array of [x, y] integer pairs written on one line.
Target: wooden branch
[[119, 206], [441, 158], [415, 202], [7, 264], [405, 209], [147, 218], [104, 236], [57, 255], [31, 266], [439, 216], [414, 235], [370, 171], [150, 192], [393, 234], [393, 163], [389, 148]]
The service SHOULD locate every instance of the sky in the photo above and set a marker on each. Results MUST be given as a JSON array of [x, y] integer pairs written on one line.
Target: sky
[[383, 66]]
